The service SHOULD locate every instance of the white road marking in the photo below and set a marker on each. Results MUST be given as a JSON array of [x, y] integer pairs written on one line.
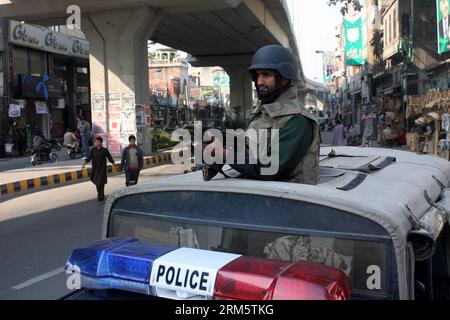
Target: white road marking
[[39, 278]]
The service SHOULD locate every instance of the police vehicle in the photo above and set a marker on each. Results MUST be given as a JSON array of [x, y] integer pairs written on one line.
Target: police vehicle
[[375, 227]]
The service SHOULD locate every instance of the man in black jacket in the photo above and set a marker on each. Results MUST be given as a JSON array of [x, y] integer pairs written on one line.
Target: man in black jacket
[[99, 172], [132, 162]]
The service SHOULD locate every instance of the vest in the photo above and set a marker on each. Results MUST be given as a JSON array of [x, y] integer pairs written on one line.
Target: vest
[[274, 116]]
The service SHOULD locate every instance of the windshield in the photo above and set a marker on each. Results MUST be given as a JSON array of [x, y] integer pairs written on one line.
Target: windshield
[[360, 260]]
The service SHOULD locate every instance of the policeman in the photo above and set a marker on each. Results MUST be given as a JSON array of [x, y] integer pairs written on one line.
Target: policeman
[[274, 73]]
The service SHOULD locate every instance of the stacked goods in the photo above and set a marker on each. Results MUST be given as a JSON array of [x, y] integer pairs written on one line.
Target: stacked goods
[[427, 111], [391, 121]]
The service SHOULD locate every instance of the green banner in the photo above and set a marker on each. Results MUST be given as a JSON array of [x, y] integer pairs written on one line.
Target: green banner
[[355, 30], [443, 25], [221, 80]]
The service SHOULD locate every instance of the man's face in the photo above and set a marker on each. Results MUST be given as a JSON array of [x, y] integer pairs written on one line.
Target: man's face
[[132, 142], [98, 144], [444, 8], [266, 80]]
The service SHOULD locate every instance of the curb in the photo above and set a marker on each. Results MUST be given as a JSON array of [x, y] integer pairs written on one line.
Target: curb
[[60, 178]]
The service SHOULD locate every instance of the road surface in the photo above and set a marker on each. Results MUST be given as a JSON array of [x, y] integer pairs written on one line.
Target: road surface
[[38, 230]]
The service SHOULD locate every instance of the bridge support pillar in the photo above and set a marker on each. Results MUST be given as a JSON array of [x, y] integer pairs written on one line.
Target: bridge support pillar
[[241, 89], [119, 78]]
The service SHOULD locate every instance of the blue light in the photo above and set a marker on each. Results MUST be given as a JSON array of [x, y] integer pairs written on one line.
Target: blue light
[[118, 263], [134, 261], [91, 258]]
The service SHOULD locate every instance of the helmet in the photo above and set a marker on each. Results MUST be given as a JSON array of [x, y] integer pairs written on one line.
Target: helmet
[[275, 57]]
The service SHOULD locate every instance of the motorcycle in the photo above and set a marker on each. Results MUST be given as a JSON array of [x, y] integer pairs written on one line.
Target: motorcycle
[[354, 140], [74, 152], [44, 155]]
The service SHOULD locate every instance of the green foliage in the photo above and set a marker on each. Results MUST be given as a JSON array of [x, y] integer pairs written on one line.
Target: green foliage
[[161, 139], [345, 4]]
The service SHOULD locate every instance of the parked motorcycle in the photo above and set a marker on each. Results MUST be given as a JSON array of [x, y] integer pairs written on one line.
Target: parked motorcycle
[[74, 152], [354, 140], [43, 155]]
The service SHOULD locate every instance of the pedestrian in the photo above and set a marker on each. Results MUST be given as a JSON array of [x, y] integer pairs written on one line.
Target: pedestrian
[[132, 161], [338, 134], [85, 133], [99, 173], [71, 140]]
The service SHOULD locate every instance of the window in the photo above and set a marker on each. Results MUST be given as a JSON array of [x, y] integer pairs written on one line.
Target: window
[[28, 62], [390, 28], [20, 61], [385, 38], [394, 20], [37, 62]]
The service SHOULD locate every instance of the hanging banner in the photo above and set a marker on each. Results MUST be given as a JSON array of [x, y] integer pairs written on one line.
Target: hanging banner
[[354, 30], [443, 25], [328, 67]]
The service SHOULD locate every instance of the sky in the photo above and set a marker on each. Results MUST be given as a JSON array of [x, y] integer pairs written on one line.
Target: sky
[[314, 24]]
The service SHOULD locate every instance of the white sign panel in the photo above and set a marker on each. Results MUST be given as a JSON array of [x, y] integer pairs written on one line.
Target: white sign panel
[[41, 107], [45, 39], [185, 273], [14, 111], [59, 104], [446, 122]]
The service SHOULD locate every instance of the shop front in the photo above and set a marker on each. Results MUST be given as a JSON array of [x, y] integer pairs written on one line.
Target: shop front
[[48, 75]]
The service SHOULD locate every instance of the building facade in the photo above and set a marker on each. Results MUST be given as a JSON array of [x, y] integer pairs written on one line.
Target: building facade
[[47, 77]]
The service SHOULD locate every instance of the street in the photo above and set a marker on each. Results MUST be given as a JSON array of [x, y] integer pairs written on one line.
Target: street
[[38, 231]]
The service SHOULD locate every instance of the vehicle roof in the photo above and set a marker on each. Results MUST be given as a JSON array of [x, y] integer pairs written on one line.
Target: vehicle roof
[[349, 181], [382, 196]]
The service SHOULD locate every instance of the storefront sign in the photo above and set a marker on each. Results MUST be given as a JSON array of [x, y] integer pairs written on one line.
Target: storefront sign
[[443, 25], [45, 39], [14, 111], [41, 107], [40, 87]]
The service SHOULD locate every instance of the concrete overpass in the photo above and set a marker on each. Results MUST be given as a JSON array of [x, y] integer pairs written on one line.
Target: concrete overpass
[[318, 89], [225, 33]]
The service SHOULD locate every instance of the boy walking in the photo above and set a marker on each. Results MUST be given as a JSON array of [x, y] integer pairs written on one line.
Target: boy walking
[[132, 161]]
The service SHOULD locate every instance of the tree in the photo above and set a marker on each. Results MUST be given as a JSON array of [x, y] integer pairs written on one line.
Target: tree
[[345, 4]]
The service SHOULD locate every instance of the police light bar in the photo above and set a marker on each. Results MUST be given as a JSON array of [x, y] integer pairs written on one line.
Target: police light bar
[[194, 274]]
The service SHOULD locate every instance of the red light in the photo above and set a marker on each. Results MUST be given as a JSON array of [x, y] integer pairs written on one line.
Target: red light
[[312, 281], [249, 278]]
